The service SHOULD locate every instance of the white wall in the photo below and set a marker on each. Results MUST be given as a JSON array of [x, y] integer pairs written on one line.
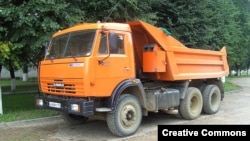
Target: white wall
[[32, 72]]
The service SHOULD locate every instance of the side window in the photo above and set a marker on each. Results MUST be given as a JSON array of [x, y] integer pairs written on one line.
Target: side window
[[103, 45], [120, 44], [116, 43]]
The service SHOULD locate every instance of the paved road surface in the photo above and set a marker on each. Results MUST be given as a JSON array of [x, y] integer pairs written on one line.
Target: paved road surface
[[234, 110]]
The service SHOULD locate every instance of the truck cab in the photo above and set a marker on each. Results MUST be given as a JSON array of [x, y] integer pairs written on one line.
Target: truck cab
[[87, 60]]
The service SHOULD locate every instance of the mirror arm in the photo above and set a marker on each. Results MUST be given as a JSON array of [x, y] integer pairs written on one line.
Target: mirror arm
[[100, 62]]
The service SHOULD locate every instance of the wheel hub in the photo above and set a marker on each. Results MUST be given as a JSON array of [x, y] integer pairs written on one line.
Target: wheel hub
[[128, 116]]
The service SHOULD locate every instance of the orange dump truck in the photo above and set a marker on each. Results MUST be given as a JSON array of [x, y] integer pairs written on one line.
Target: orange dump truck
[[123, 71]]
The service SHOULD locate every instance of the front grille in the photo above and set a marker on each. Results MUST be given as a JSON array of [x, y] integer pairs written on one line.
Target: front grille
[[66, 86]]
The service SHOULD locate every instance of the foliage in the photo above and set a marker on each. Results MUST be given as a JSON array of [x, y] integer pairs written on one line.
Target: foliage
[[8, 57], [4, 51], [118, 11], [198, 24], [28, 24], [240, 51], [209, 25]]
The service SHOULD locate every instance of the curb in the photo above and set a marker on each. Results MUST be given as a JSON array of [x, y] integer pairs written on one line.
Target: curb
[[24, 92]]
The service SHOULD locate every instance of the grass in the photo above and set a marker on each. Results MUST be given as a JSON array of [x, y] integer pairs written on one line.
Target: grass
[[230, 86], [21, 106], [21, 86], [19, 81]]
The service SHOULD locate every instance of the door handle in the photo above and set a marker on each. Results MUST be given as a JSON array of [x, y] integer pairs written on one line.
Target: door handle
[[126, 69]]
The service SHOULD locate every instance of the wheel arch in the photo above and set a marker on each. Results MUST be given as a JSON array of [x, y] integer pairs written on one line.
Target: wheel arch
[[201, 83], [128, 86]]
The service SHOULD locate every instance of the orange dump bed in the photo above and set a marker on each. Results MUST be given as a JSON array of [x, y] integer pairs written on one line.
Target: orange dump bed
[[162, 57]]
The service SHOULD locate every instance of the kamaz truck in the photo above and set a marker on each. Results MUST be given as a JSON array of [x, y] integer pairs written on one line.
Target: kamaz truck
[[123, 71]]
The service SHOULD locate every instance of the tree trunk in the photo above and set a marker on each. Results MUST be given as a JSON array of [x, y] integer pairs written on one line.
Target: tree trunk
[[248, 66], [12, 78], [1, 103], [0, 70], [237, 69], [25, 72]]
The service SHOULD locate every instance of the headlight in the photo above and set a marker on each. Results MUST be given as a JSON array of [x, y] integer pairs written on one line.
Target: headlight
[[39, 102], [75, 107]]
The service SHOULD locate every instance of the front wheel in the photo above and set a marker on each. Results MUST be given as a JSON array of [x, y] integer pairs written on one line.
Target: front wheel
[[126, 118], [191, 106]]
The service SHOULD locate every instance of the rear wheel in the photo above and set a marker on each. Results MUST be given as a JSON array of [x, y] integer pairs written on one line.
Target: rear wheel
[[126, 118], [211, 99], [191, 106], [73, 119]]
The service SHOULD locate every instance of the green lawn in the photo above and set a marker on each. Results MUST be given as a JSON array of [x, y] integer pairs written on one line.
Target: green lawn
[[18, 81], [21, 107], [230, 86], [21, 86]]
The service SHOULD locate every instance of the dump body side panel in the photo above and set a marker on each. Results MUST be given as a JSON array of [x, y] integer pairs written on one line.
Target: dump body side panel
[[181, 62]]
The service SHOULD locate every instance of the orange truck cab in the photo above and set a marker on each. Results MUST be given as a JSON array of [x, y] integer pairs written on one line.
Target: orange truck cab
[[125, 70]]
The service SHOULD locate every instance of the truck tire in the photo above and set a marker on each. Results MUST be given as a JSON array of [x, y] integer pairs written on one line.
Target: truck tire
[[211, 99], [178, 115], [191, 106], [73, 119], [126, 118]]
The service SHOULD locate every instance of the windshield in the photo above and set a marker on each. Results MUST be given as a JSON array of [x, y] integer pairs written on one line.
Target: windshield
[[73, 44]]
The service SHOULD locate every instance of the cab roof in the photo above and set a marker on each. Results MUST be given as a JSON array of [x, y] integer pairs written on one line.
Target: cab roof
[[98, 25]]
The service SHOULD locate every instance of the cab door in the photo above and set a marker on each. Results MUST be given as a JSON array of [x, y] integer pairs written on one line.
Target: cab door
[[113, 62]]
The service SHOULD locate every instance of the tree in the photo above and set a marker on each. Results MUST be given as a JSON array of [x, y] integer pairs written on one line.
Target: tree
[[242, 49], [198, 23], [10, 61], [36, 21], [209, 25], [118, 11], [4, 53], [29, 24]]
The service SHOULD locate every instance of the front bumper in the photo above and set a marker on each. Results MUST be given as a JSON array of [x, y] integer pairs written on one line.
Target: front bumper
[[76, 106]]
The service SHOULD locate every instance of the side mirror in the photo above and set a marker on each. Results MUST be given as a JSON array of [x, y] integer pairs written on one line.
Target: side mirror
[[112, 45], [46, 48]]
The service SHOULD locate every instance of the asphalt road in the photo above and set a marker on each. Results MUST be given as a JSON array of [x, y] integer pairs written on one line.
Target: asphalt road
[[234, 110]]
